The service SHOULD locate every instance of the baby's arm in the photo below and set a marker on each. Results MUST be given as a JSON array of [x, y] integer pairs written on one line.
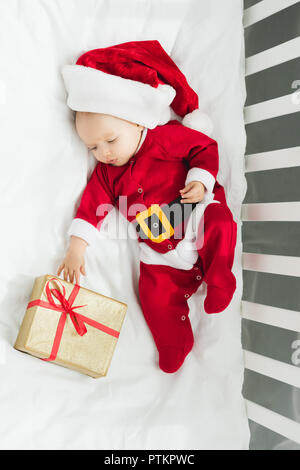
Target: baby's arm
[[96, 201], [200, 153], [74, 261]]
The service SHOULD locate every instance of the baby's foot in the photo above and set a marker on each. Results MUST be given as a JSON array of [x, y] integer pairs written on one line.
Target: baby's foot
[[171, 358], [218, 298]]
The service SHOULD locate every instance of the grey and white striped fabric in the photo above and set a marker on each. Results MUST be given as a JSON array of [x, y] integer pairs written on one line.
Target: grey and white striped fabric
[[271, 224]]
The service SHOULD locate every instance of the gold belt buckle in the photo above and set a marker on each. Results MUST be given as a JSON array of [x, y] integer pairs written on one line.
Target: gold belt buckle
[[155, 209]]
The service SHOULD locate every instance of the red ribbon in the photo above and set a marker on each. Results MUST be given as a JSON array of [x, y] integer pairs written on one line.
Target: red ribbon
[[65, 306]]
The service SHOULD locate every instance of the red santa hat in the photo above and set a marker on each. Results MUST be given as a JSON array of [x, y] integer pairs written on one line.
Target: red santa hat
[[136, 81]]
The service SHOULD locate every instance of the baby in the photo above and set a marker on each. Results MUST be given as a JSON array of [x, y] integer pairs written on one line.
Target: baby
[[166, 171]]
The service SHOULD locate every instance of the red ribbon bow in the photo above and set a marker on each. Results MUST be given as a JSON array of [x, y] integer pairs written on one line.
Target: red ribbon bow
[[66, 308], [66, 305]]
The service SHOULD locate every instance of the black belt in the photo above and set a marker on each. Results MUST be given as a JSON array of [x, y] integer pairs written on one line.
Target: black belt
[[158, 223]]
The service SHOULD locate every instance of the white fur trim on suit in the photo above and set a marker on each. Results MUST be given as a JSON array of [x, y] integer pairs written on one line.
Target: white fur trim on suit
[[185, 254], [83, 229], [92, 90], [198, 174], [171, 258]]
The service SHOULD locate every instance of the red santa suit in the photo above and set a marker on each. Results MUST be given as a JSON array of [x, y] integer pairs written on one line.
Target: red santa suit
[[168, 158]]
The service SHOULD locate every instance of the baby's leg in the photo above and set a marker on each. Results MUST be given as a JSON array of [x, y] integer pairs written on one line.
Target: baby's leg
[[216, 245], [164, 292]]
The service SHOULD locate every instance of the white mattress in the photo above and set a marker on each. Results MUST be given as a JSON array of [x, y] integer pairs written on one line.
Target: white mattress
[[44, 168]]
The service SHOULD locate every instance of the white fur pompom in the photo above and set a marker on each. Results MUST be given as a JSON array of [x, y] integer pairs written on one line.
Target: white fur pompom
[[198, 121]]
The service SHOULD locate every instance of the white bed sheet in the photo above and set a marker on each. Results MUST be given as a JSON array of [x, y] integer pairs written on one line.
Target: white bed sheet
[[44, 168]]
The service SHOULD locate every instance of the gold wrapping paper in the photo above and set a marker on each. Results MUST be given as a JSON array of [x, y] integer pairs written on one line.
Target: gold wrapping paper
[[90, 354]]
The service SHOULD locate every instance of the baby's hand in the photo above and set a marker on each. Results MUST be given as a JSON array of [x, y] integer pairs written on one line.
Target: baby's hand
[[193, 192], [73, 263]]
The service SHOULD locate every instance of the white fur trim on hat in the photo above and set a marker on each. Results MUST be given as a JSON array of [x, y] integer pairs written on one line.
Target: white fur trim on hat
[[199, 121], [92, 90]]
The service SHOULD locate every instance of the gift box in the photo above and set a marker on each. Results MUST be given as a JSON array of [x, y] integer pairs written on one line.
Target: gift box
[[71, 326]]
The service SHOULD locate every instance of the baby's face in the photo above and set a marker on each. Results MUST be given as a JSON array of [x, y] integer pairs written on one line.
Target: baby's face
[[112, 140]]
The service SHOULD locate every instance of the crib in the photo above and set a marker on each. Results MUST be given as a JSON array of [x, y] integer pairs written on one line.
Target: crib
[[270, 215]]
